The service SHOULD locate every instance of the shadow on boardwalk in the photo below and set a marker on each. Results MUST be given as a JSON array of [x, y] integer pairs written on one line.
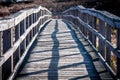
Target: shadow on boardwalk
[[53, 72], [88, 61], [53, 67]]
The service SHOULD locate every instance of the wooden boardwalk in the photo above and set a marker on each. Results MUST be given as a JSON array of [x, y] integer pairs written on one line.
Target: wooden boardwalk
[[61, 53]]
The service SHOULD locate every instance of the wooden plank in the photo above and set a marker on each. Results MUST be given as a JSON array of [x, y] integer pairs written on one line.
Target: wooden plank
[[3, 26], [6, 40], [33, 17], [90, 22], [1, 43], [108, 37], [1, 52], [37, 9], [101, 46], [93, 25], [7, 44], [17, 36], [22, 30], [12, 62], [22, 27], [83, 28], [118, 47], [17, 32], [25, 20], [30, 20]]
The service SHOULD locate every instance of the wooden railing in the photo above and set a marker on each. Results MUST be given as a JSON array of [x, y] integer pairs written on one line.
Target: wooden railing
[[102, 30], [17, 33]]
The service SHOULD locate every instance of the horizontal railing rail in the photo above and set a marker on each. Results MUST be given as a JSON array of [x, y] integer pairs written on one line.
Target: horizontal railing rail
[[111, 19], [17, 33], [102, 30]]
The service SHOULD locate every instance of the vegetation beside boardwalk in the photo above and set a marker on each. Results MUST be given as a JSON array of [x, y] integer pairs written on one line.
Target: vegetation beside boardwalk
[[57, 6]]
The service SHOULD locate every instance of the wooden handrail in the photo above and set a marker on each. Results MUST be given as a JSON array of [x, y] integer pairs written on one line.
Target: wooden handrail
[[98, 28], [17, 33], [13, 20], [111, 19]]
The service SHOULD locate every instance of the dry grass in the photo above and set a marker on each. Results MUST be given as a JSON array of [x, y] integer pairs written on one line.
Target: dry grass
[[55, 7], [58, 7], [4, 11], [9, 9]]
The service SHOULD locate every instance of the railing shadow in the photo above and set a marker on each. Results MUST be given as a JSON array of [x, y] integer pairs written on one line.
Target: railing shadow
[[92, 73], [53, 71]]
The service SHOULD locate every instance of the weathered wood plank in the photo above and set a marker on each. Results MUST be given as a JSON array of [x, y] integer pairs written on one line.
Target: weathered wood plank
[[1, 52], [91, 23], [17, 36], [94, 24], [101, 46], [1, 43], [6, 40], [118, 47], [12, 58], [108, 37]]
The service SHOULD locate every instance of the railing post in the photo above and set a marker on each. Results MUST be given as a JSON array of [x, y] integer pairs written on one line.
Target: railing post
[[118, 47], [27, 25], [32, 23], [94, 26], [7, 44], [11, 37], [108, 37], [101, 31], [80, 26], [90, 22], [22, 30], [83, 28], [17, 36], [85, 19], [1, 52]]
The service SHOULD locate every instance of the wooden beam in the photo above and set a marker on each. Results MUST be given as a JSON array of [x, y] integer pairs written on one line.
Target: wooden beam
[[118, 47], [11, 37], [7, 44], [108, 37], [1, 52]]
